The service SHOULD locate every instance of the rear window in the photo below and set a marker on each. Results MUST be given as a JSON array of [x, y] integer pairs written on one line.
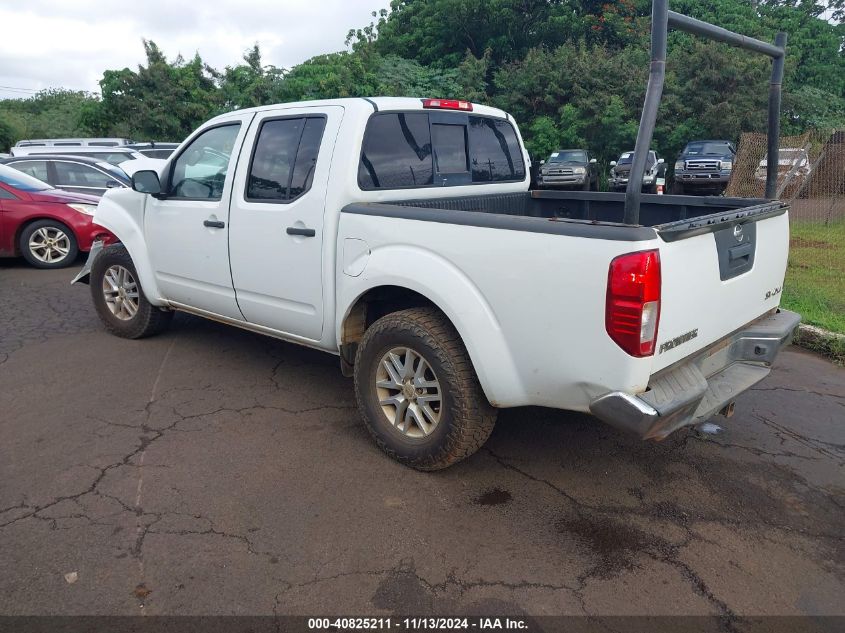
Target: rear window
[[35, 168], [397, 152], [18, 180], [406, 149]]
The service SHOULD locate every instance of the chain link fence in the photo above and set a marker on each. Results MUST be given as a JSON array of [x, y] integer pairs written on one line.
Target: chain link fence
[[811, 176]]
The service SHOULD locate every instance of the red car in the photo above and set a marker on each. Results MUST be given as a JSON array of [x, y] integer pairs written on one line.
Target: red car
[[47, 226]]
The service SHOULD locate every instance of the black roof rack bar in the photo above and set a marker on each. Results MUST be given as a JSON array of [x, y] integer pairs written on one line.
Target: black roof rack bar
[[661, 19], [683, 22]]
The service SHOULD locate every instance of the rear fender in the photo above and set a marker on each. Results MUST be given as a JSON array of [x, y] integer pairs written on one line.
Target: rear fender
[[456, 296], [121, 211]]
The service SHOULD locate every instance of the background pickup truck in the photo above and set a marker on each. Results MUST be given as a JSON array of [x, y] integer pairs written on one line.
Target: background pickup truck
[[400, 234], [704, 166], [569, 169], [620, 172]]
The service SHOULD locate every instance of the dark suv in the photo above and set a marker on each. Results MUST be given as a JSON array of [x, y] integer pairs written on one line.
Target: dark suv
[[569, 168], [704, 166]]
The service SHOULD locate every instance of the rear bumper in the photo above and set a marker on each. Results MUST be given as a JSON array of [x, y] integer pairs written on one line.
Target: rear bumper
[[701, 386]]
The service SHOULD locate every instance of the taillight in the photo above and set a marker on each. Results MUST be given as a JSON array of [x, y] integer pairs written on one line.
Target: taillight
[[632, 312], [447, 104]]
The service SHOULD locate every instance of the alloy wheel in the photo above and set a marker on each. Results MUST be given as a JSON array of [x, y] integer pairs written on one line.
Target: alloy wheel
[[409, 392], [49, 244], [120, 291]]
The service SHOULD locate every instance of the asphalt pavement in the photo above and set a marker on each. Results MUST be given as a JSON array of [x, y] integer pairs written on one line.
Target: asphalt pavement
[[214, 471]]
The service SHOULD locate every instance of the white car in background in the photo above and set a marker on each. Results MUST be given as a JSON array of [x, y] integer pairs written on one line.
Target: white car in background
[[793, 162], [142, 163], [113, 155]]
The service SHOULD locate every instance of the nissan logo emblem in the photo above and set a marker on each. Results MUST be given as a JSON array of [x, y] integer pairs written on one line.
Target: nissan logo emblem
[[738, 232]]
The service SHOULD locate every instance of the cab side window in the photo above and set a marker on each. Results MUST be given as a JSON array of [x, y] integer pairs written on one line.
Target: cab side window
[[284, 159], [199, 172]]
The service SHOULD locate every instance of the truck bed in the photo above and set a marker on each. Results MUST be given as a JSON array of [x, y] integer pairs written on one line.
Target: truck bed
[[584, 214], [722, 266]]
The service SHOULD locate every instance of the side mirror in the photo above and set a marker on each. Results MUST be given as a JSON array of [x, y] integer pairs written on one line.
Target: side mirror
[[592, 161], [146, 181], [613, 163], [660, 161]]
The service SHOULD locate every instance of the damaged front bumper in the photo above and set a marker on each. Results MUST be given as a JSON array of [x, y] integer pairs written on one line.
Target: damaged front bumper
[[699, 387]]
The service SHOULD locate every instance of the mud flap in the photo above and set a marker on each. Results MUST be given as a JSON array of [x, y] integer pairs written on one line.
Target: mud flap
[[85, 274]]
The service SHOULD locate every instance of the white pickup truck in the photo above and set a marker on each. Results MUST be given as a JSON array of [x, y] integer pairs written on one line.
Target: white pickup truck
[[400, 235]]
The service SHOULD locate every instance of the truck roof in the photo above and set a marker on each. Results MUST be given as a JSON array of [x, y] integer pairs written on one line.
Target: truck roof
[[379, 104]]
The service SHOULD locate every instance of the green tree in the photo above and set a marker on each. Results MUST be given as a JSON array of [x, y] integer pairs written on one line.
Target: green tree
[[248, 84], [162, 101], [329, 76], [53, 112], [7, 136], [474, 76], [440, 32]]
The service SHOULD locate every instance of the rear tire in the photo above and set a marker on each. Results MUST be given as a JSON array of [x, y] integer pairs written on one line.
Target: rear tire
[[48, 244], [418, 392], [119, 298]]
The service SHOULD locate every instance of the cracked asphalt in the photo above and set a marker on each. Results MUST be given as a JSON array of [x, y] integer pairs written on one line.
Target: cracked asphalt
[[214, 471]]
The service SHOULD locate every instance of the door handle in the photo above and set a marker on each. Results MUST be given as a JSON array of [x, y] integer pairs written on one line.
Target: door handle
[[214, 224], [299, 230]]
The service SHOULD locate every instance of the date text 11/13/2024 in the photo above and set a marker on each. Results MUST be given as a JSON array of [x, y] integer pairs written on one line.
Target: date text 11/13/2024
[[417, 624]]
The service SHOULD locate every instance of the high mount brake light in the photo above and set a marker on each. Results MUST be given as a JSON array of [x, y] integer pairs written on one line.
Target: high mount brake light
[[447, 104], [632, 311]]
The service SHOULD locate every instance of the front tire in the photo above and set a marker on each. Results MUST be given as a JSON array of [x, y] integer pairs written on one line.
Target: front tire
[[119, 298], [418, 392], [48, 244]]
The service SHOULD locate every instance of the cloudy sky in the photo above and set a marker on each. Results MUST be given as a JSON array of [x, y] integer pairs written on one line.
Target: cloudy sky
[[69, 43]]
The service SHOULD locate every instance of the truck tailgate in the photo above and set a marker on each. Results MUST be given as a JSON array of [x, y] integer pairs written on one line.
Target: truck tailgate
[[719, 273]]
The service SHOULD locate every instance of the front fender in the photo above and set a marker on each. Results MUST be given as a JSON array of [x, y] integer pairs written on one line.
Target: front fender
[[121, 211], [456, 296]]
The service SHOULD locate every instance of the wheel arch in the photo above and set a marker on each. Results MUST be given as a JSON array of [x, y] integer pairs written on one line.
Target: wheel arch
[[479, 332], [37, 218], [122, 213]]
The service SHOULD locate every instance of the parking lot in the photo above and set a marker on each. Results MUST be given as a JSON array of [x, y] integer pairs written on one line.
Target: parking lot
[[213, 471]]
